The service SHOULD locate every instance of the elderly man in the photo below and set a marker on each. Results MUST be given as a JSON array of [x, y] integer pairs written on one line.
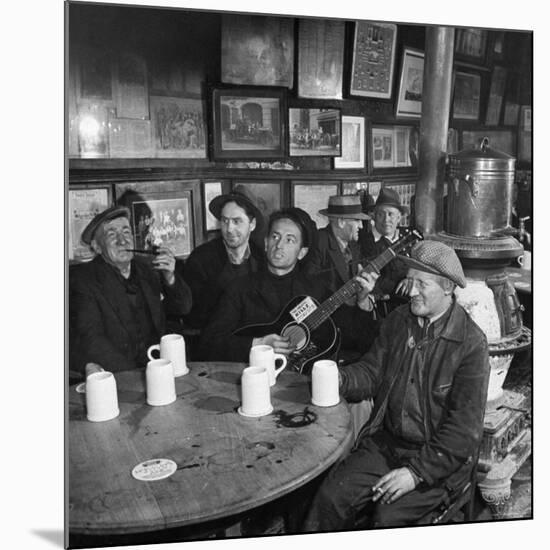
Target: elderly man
[[376, 238], [213, 265], [337, 257], [428, 372], [118, 301], [260, 297]]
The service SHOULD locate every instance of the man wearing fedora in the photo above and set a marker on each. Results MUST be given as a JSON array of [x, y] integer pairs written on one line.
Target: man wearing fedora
[[428, 372], [214, 264], [374, 239], [258, 298], [119, 301], [338, 258]]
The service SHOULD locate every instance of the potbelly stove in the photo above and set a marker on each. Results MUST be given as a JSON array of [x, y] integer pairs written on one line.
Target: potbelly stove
[[480, 186]]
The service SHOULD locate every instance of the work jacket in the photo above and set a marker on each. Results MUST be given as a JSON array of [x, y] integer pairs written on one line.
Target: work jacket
[[454, 391]]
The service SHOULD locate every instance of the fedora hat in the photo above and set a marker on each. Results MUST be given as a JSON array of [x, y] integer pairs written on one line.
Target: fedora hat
[[105, 216], [437, 258], [240, 196], [345, 206], [389, 197]]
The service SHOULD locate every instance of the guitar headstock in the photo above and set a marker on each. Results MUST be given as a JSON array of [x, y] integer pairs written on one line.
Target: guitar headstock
[[410, 236]]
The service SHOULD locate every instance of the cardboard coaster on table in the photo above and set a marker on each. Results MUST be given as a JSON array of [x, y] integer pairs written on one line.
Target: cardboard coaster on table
[[154, 469]]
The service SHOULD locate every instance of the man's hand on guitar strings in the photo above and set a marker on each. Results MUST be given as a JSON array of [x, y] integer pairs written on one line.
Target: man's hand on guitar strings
[[280, 344], [367, 280]]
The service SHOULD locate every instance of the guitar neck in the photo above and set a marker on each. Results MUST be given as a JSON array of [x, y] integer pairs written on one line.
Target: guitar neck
[[349, 290]]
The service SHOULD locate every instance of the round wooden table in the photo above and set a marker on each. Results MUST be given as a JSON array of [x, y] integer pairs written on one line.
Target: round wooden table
[[226, 463]]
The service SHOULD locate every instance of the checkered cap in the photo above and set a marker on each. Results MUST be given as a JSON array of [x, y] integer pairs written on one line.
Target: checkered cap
[[437, 258]]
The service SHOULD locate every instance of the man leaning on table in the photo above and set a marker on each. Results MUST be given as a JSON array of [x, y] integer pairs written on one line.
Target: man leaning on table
[[428, 372], [118, 301], [260, 297]]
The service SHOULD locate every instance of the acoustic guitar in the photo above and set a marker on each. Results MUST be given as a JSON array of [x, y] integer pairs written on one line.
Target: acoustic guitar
[[308, 324]]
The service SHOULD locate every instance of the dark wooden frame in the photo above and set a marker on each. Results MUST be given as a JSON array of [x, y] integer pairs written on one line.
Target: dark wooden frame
[[217, 123], [129, 193], [460, 46]]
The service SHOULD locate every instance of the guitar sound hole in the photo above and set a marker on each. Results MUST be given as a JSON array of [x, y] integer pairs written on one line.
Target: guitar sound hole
[[297, 334]]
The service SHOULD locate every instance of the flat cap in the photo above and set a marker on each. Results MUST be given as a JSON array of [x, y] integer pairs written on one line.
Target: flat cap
[[109, 214], [437, 258]]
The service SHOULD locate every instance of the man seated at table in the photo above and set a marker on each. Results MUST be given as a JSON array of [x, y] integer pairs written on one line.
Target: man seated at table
[[373, 240], [118, 301], [214, 264], [428, 372], [338, 257], [260, 297]]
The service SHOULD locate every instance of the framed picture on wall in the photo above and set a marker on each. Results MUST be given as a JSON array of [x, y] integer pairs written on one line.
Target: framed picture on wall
[[313, 197], [178, 127], [466, 96], [496, 96], [373, 59], [383, 154], [353, 143], [320, 58], [471, 45], [266, 194], [84, 203], [212, 189], [248, 123], [164, 213], [315, 132], [257, 50], [409, 99]]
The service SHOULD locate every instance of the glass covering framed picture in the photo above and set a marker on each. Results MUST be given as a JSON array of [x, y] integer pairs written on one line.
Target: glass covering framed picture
[[315, 132], [409, 99], [353, 143], [466, 95], [373, 59], [248, 122]]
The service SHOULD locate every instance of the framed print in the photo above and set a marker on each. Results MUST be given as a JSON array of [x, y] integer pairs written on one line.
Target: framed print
[[267, 195], [248, 123], [257, 50], [315, 132], [212, 189], [496, 95], [163, 213], [409, 99], [178, 127], [355, 187], [525, 135], [502, 140], [353, 143], [471, 44], [95, 76], [373, 59], [84, 203], [130, 87], [130, 138], [312, 198], [382, 148], [467, 92], [93, 129], [320, 58]]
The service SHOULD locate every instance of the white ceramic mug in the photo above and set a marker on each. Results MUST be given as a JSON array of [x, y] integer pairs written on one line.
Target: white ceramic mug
[[256, 398], [171, 347], [264, 356], [525, 260], [101, 397], [324, 384], [160, 382]]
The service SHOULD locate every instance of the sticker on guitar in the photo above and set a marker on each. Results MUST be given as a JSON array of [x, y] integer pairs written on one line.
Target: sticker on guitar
[[303, 309]]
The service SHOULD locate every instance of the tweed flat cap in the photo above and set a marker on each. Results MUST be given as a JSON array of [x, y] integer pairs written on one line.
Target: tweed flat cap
[[109, 214], [437, 258], [345, 206]]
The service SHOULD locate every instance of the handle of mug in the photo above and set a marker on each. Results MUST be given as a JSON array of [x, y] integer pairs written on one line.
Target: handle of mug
[[280, 357], [151, 350]]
